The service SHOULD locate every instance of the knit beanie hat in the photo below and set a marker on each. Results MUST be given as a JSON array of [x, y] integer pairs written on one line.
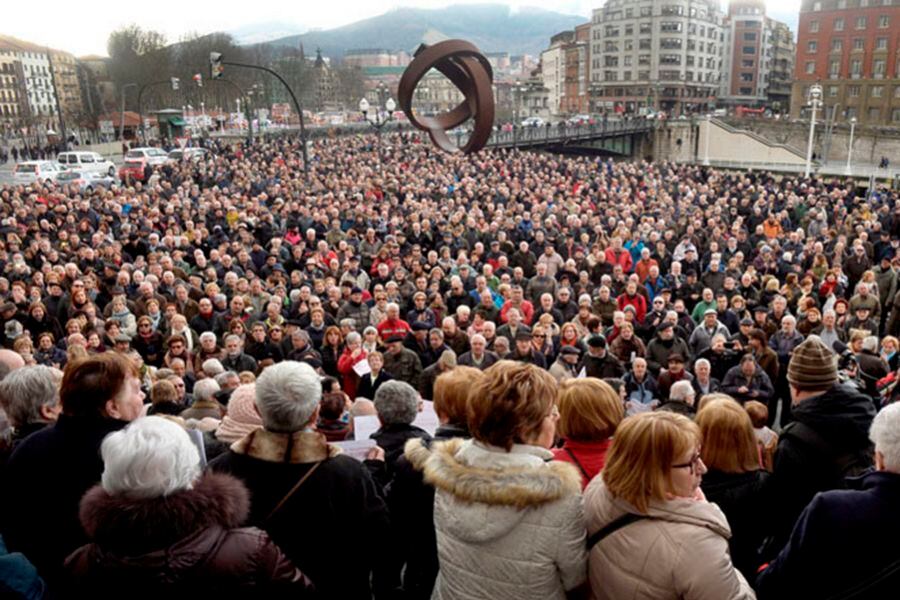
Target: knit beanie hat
[[242, 417], [813, 365]]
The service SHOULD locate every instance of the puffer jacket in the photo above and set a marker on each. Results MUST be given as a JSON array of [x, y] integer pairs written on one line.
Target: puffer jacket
[[509, 525], [184, 545], [681, 552]]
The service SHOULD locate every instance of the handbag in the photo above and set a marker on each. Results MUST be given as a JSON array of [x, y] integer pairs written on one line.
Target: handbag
[[292, 491]]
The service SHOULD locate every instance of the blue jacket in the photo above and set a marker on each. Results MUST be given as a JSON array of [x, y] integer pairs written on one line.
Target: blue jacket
[[843, 539]]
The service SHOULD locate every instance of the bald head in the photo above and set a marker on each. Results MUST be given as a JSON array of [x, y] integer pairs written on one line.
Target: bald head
[[9, 361]]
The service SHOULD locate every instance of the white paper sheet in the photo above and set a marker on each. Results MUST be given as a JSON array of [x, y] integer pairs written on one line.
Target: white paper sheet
[[356, 448]]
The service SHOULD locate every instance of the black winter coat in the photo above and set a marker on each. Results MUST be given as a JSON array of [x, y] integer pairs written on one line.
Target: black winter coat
[[843, 539], [50, 471], [744, 499], [392, 438], [332, 526], [186, 545], [841, 417], [411, 503]]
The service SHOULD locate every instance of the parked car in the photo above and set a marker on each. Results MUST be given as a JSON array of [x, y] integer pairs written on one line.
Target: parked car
[[86, 161], [533, 122], [30, 171], [192, 154], [155, 156], [132, 168], [579, 120], [86, 181]]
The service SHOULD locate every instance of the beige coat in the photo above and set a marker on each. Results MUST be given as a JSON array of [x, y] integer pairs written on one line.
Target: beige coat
[[681, 553], [509, 525]]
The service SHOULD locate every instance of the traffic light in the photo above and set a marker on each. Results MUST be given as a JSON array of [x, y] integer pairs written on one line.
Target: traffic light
[[215, 65], [175, 82]]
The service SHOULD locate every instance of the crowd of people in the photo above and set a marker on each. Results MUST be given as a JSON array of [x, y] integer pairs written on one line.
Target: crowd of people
[[653, 380]]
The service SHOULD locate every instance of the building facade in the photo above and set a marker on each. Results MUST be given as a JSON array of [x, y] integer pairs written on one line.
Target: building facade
[[68, 89], [656, 55], [553, 69], [12, 92], [850, 47]]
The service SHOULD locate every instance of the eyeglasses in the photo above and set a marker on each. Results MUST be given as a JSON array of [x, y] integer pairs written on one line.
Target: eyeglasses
[[693, 465]]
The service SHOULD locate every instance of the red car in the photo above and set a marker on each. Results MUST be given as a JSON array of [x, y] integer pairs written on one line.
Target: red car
[[132, 169]]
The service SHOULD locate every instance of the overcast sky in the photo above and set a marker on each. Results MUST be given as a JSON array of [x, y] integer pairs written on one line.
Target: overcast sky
[[83, 28]]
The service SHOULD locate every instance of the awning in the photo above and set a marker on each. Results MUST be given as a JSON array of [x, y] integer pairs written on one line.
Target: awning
[[177, 121]]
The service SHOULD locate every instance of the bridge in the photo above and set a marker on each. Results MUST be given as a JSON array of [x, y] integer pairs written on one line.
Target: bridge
[[614, 137]]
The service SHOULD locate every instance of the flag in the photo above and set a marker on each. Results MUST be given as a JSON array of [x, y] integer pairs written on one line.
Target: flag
[[199, 79]]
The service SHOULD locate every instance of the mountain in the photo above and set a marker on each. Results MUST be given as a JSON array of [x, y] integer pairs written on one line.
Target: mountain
[[256, 33], [491, 27]]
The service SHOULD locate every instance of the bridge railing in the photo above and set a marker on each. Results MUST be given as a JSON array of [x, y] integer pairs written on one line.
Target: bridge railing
[[563, 133]]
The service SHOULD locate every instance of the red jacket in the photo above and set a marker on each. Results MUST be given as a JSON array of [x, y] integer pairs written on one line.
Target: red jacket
[[589, 457], [348, 375], [623, 258], [637, 301]]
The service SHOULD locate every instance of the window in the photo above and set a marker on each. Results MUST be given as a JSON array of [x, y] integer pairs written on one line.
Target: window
[[670, 43], [874, 114], [646, 11], [817, 6], [837, 45], [646, 28], [832, 91], [877, 91], [834, 68], [749, 36], [881, 43], [812, 46], [748, 50], [810, 68], [611, 61], [839, 24], [670, 27], [855, 68], [626, 60], [879, 67], [895, 115], [897, 91], [883, 21], [747, 77], [853, 91], [643, 59], [861, 22], [689, 60], [670, 59], [859, 44], [644, 44]]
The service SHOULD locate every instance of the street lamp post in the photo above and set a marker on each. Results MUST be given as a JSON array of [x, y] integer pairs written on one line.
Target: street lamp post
[[815, 99], [706, 142], [850, 147], [122, 112], [380, 118]]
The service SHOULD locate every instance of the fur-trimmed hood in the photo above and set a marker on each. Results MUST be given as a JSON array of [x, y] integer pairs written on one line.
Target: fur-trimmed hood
[[132, 527], [300, 447], [490, 489]]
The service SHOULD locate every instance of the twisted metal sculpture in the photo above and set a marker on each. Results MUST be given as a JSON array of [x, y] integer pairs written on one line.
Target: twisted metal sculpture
[[464, 65]]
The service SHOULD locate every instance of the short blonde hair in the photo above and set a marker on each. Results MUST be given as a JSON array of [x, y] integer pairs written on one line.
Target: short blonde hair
[[451, 392], [589, 410], [639, 465], [509, 404], [729, 443]]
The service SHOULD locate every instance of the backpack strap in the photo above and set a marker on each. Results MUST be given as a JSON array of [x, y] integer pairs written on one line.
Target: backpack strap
[[626, 519], [577, 463]]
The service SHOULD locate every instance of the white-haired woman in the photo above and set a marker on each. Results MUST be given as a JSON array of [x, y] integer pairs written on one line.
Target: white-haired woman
[[304, 489], [160, 527]]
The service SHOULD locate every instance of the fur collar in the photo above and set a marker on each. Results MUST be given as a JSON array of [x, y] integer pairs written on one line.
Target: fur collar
[[299, 447], [519, 487], [134, 526]]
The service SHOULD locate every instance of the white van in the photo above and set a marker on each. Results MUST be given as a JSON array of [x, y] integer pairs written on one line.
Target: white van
[[86, 161]]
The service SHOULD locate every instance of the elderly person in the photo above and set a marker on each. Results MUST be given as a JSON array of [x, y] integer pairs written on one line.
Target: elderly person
[[397, 405], [241, 417], [508, 519], [235, 358], [338, 499], [651, 533], [346, 365], [783, 342], [735, 480], [830, 551], [53, 468], [748, 381], [411, 501], [681, 399], [205, 404], [182, 530], [371, 381], [704, 383], [30, 398], [589, 412]]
